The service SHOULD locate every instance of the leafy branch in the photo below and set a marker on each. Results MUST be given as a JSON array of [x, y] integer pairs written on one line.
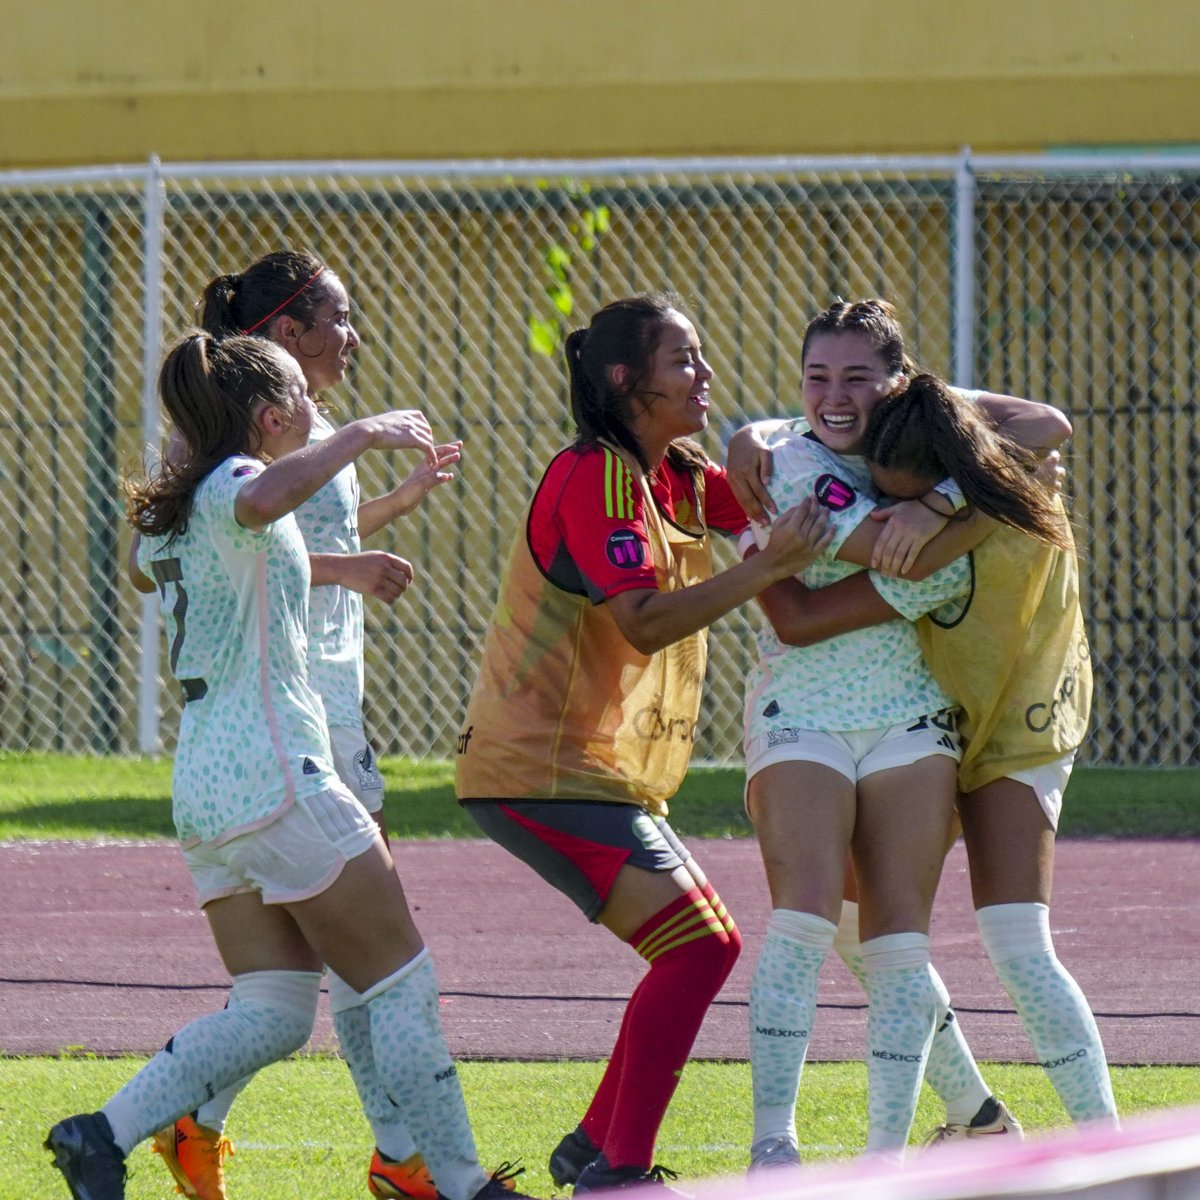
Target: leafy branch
[[546, 332]]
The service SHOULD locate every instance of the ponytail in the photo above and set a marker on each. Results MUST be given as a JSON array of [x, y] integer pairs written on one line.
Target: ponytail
[[585, 408], [930, 430], [213, 389], [216, 305], [283, 283]]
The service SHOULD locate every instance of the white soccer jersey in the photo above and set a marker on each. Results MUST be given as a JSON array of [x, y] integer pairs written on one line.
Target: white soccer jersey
[[866, 679], [253, 735], [329, 523]]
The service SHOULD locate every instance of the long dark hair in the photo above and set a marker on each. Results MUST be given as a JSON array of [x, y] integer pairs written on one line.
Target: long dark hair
[[626, 332], [287, 283], [932, 431], [212, 388]]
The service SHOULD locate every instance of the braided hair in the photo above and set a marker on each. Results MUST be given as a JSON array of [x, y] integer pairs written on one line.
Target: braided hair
[[874, 318]]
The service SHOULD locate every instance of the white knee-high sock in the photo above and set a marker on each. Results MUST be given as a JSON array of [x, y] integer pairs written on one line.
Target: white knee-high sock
[[783, 1004], [415, 1068], [352, 1022], [273, 1017], [903, 1009], [1053, 1010], [951, 1070], [214, 1113]]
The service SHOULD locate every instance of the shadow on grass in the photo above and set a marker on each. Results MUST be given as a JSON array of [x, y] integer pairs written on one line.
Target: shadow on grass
[[133, 818], [100, 803]]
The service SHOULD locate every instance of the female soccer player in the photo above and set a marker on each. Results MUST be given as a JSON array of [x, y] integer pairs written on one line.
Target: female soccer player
[[284, 858], [971, 1109], [293, 299], [1013, 652], [581, 722], [850, 746]]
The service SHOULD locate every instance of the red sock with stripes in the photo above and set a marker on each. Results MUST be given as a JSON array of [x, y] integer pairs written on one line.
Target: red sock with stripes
[[718, 906], [691, 951]]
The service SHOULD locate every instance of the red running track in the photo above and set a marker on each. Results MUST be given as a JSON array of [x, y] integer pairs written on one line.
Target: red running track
[[102, 948]]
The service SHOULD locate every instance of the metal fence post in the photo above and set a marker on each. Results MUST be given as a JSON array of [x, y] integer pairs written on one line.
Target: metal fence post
[[152, 305], [100, 456], [963, 272]]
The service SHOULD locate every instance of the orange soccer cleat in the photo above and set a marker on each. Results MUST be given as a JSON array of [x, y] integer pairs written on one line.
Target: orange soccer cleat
[[195, 1155], [407, 1180]]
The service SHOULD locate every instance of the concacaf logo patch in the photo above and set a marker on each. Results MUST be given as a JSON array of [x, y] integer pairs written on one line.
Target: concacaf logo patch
[[834, 493], [625, 549]]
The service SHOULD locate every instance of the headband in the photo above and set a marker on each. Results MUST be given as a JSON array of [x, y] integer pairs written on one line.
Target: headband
[[301, 289]]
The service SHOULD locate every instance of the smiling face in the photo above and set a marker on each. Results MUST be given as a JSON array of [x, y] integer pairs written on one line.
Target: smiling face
[[845, 376], [322, 349], [673, 402]]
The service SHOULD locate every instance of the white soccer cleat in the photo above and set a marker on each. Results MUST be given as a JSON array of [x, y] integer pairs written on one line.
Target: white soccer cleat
[[770, 1153], [992, 1120]]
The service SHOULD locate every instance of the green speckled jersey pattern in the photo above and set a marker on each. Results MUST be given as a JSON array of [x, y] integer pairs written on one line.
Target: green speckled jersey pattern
[[329, 523], [867, 679], [252, 736]]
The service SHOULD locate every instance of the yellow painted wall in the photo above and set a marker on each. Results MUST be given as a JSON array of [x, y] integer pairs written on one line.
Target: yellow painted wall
[[215, 79]]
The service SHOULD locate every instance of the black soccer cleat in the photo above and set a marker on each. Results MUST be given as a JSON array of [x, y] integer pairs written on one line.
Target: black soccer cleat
[[571, 1155], [500, 1185], [598, 1176], [91, 1162]]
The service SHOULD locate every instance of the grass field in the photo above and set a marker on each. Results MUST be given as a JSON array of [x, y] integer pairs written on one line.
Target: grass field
[[47, 796], [300, 1121]]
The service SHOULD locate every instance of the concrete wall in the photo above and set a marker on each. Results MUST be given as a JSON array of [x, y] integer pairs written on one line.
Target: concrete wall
[[215, 79]]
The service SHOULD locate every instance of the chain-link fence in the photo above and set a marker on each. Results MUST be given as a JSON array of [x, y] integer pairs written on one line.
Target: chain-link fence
[[1073, 282]]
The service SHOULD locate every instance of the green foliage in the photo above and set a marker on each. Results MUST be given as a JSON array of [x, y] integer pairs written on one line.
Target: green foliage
[[56, 797], [299, 1120], [544, 336], [547, 331]]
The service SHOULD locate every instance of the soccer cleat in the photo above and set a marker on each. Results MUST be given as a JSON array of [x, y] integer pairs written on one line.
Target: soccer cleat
[[992, 1120], [571, 1155], [91, 1162], [771, 1152], [406, 1180], [502, 1184], [195, 1155], [598, 1176]]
